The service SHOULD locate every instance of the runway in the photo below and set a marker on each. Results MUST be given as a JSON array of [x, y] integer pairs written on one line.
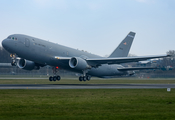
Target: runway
[[86, 86]]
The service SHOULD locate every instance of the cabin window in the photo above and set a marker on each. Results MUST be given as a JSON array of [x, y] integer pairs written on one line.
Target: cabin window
[[16, 39]]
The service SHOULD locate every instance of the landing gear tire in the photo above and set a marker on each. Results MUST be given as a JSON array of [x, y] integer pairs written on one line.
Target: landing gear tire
[[84, 78], [58, 78], [80, 78], [54, 78], [50, 78], [88, 77]]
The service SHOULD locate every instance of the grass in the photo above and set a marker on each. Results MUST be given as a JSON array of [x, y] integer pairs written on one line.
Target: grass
[[100, 104], [131, 104]]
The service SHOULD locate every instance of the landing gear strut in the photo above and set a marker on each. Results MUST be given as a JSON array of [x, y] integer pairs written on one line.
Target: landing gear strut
[[13, 62], [55, 77]]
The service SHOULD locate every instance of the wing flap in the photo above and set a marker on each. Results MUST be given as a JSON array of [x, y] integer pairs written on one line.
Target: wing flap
[[136, 68]]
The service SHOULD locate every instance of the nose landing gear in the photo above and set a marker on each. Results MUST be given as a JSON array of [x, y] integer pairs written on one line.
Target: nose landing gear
[[13, 62]]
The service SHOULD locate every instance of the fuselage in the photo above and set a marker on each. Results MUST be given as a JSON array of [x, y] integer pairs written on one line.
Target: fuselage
[[44, 52]]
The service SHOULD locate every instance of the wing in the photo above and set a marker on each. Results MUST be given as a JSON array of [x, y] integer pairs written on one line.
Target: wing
[[119, 60], [95, 62]]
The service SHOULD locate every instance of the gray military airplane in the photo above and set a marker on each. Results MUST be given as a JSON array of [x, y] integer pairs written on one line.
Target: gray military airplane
[[34, 53]]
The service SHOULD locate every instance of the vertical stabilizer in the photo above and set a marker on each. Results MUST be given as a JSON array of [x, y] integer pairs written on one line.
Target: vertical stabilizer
[[123, 49]]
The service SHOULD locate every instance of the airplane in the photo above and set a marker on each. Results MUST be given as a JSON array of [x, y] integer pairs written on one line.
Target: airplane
[[33, 53]]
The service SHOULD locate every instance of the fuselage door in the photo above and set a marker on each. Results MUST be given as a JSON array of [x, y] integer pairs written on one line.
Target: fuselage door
[[27, 42]]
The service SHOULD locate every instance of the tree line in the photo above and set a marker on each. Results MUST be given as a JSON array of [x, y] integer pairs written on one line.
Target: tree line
[[169, 61]]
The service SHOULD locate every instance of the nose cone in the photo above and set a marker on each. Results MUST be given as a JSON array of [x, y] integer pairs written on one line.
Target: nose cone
[[4, 44]]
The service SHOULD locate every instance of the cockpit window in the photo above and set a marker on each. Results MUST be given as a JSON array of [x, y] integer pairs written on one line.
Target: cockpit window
[[13, 38], [9, 37]]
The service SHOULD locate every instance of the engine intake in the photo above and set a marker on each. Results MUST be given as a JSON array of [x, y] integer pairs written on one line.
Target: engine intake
[[27, 65], [78, 63]]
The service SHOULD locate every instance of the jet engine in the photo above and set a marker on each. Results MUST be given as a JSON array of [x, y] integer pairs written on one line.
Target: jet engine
[[78, 63], [27, 65]]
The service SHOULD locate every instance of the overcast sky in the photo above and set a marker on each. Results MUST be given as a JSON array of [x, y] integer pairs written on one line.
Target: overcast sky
[[96, 26]]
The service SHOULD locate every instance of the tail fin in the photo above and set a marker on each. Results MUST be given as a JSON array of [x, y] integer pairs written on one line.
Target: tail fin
[[123, 49]]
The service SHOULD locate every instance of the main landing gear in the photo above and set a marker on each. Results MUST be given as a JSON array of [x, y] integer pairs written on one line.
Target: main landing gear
[[85, 76], [55, 77]]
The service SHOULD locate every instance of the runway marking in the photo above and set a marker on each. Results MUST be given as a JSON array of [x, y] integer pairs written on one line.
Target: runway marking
[[86, 86]]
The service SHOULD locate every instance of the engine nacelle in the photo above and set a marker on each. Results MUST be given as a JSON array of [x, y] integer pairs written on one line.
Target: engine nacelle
[[78, 63], [27, 65]]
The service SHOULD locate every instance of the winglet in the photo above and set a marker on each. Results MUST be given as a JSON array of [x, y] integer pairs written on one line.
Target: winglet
[[123, 49]]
